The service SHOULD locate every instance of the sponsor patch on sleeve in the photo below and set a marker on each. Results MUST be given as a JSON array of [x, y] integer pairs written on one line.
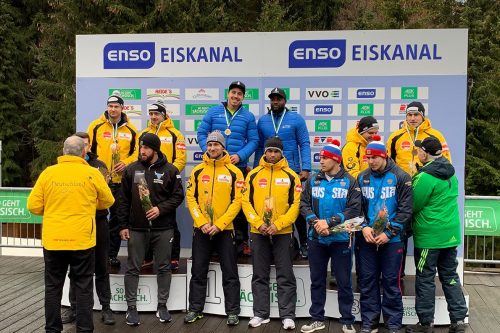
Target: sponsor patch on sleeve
[[180, 146], [298, 188], [240, 183]]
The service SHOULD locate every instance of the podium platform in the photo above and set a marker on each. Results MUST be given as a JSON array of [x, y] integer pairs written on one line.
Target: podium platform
[[179, 291]]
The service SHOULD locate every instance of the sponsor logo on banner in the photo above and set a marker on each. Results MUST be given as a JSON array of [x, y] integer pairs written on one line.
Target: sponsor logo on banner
[[163, 94], [262, 182], [405, 145], [366, 93], [320, 141], [250, 93], [323, 94], [316, 157], [402, 108], [132, 110], [126, 93], [200, 54], [322, 125], [202, 94], [191, 140], [409, 92], [205, 179], [197, 109], [131, 55], [317, 53], [401, 124], [323, 109], [365, 110], [198, 156]]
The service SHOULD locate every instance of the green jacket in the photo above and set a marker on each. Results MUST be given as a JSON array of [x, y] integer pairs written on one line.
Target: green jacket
[[436, 222]]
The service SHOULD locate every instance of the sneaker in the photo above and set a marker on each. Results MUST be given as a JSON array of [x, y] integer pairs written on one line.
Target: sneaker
[[348, 328], [313, 325], [288, 324], [174, 265], [132, 316], [458, 327], [247, 251], [257, 321], [304, 251], [420, 328], [163, 314], [192, 316], [114, 262], [369, 330], [68, 316], [107, 315], [232, 320]]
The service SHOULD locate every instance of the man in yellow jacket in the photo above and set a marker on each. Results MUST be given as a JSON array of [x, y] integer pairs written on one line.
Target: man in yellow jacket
[[271, 200], [67, 195], [113, 139], [173, 147], [214, 199], [353, 152], [401, 143]]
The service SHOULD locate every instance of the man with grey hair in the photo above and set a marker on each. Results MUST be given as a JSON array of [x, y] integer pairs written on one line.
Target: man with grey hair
[[67, 195], [436, 235]]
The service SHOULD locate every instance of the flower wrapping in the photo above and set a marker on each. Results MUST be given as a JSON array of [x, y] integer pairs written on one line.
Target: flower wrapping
[[209, 209], [351, 225]]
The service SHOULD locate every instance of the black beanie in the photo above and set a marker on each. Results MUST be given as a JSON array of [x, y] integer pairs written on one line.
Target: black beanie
[[274, 143], [366, 124], [151, 140]]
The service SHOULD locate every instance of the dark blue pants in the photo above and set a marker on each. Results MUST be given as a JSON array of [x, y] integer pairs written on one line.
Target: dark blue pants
[[383, 263], [341, 256], [445, 261]]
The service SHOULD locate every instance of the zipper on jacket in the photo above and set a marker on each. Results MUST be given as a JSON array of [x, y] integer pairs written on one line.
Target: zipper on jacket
[[271, 185], [213, 184]]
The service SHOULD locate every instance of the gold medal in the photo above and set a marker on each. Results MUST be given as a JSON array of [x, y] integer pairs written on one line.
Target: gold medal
[[227, 132], [414, 151], [113, 147]]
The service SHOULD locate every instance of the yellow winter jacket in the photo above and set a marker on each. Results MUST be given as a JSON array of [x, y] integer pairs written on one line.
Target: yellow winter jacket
[[173, 145], [273, 187], [353, 153], [67, 195], [400, 146], [215, 185], [101, 139]]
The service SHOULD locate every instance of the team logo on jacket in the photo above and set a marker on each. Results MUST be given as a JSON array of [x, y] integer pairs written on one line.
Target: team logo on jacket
[[389, 181], [262, 182], [405, 145], [224, 179], [158, 179], [106, 135], [205, 179], [282, 181]]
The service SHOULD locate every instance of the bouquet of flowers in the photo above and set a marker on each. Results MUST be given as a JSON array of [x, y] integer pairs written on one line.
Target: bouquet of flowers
[[351, 225], [209, 209], [115, 156], [143, 188], [380, 222], [268, 214]]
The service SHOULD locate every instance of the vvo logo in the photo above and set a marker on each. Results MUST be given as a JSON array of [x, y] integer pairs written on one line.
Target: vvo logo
[[317, 53], [132, 55], [323, 109], [198, 156], [366, 93]]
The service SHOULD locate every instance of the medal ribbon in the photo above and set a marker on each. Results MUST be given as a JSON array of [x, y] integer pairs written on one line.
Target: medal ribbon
[[228, 121], [277, 129]]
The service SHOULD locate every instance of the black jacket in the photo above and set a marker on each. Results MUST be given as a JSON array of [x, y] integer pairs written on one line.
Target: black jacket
[[93, 161], [165, 187]]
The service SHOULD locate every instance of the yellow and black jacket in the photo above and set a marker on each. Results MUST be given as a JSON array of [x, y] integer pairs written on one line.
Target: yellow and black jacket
[[173, 145], [67, 195], [275, 188], [401, 147], [101, 139], [353, 153], [214, 188]]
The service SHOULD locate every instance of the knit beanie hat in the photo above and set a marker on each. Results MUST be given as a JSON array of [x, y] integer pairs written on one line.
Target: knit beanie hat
[[376, 147], [416, 107], [150, 140], [332, 151], [367, 123], [158, 107], [115, 98], [274, 143], [216, 136]]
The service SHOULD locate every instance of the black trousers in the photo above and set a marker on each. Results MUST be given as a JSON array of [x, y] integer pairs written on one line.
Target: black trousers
[[81, 266], [101, 265], [114, 226], [176, 246], [203, 245]]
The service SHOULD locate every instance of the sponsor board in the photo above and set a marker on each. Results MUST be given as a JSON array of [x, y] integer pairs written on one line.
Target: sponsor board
[[191, 125], [396, 124], [324, 110], [317, 53], [362, 110], [129, 55], [191, 141], [322, 140], [327, 94], [197, 156], [163, 94], [410, 93], [201, 94], [126, 94], [366, 93]]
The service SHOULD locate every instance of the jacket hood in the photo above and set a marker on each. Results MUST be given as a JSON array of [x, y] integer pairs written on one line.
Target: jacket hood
[[281, 164], [220, 162], [425, 125], [440, 168], [166, 124], [354, 136], [123, 120]]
